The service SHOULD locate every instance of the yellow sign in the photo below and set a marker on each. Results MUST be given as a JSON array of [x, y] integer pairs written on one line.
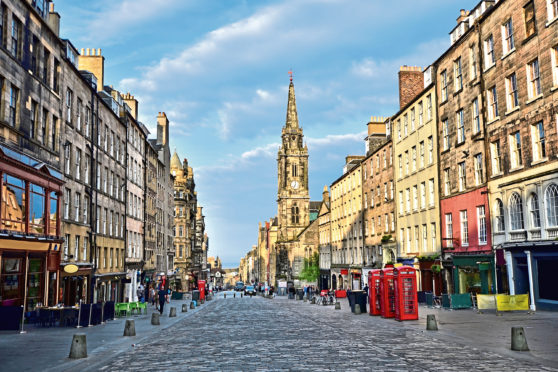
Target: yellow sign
[[486, 302], [70, 269], [511, 303]]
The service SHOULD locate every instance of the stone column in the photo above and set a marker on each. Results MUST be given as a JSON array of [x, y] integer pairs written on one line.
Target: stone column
[[531, 285], [509, 264]]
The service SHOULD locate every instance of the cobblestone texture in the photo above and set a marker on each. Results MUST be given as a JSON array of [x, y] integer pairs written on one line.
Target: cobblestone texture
[[256, 334]]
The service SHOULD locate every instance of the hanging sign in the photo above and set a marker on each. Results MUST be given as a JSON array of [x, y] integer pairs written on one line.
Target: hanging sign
[[70, 269]]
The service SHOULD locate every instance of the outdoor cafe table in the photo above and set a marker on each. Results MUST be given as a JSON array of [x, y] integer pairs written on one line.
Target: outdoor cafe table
[[63, 314]]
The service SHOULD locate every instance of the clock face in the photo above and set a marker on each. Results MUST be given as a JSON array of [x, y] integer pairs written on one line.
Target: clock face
[[294, 185]]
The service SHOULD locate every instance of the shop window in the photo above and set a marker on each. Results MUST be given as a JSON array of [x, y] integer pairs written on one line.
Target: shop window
[[36, 209], [34, 283], [12, 281], [516, 212], [534, 211], [551, 202], [13, 203]]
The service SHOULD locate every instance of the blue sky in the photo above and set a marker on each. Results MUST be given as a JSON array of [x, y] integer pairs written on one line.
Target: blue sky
[[218, 68]]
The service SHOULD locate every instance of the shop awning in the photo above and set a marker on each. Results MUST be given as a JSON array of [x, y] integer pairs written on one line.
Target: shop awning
[[24, 245]]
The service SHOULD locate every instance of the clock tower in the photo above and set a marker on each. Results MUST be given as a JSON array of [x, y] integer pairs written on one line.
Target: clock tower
[[293, 199]]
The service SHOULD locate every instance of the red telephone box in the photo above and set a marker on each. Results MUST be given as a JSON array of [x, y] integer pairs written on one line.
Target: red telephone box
[[405, 281], [201, 288], [387, 293], [374, 289]]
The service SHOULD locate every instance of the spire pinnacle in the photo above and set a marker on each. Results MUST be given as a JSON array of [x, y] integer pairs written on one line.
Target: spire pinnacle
[[292, 117]]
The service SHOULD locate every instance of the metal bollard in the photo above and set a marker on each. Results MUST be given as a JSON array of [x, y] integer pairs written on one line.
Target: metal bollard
[[90, 310], [224, 295], [234, 295], [103, 312], [79, 315], [130, 328], [79, 346], [431, 324], [518, 339]]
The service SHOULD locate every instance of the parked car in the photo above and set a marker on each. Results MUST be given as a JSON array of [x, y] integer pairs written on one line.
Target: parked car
[[239, 286], [250, 290]]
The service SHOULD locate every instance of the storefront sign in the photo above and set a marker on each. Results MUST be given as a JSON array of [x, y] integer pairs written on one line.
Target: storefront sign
[[70, 269], [344, 271]]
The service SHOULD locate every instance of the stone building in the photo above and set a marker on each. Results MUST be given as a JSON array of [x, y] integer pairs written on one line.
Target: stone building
[[164, 204], [185, 201], [520, 86], [416, 180], [466, 236], [347, 215], [324, 232], [31, 57], [199, 249], [150, 235], [378, 190], [297, 236], [267, 238]]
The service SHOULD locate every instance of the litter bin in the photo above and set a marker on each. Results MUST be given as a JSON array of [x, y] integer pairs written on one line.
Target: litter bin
[[195, 295], [299, 294], [358, 297]]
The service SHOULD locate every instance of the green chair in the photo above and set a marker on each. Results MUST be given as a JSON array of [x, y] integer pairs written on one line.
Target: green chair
[[134, 307], [142, 305], [121, 307]]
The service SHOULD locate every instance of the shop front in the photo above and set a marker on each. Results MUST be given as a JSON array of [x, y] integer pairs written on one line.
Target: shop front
[[324, 281], [29, 233], [473, 274], [75, 281], [532, 268], [356, 282], [430, 276], [110, 287]]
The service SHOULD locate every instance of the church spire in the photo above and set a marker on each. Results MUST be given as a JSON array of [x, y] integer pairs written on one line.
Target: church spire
[[292, 117]]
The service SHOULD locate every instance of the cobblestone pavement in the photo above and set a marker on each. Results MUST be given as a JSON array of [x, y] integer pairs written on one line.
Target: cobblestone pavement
[[257, 334]]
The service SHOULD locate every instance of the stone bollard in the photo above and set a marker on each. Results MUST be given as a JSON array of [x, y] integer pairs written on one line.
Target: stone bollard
[[192, 305], [305, 299], [79, 346], [357, 309], [172, 312], [184, 308], [518, 339], [313, 300], [338, 306], [130, 328], [155, 319], [431, 324]]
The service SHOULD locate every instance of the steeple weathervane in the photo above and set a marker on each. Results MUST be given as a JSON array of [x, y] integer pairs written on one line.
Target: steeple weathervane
[[291, 74]]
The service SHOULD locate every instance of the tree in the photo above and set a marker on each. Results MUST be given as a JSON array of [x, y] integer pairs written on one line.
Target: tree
[[311, 270]]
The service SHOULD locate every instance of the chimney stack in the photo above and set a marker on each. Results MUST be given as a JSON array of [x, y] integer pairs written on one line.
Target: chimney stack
[[92, 60], [132, 102], [163, 129], [411, 83], [463, 14], [53, 20]]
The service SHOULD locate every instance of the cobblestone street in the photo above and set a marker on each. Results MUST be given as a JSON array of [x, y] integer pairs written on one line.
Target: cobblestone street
[[260, 334]]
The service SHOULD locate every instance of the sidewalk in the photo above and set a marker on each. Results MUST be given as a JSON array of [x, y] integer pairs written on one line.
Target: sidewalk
[[486, 331], [47, 349]]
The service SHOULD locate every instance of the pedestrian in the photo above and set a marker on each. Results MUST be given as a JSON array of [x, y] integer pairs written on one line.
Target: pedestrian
[[163, 295], [152, 295], [139, 293]]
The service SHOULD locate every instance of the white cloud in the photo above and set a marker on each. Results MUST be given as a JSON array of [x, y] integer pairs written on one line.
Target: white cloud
[[268, 150], [335, 139], [118, 17]]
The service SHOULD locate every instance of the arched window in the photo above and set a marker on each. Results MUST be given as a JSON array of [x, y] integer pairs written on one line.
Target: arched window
[[551, 202], [499, 214], [294, 214], [516, 212], [534, 211]]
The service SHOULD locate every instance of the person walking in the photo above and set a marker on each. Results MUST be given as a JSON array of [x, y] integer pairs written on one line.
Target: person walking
[[162, 299], [152, 295]]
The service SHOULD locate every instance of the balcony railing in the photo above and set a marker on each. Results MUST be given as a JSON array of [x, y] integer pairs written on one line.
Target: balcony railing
[[518, 235], [552, 232]]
